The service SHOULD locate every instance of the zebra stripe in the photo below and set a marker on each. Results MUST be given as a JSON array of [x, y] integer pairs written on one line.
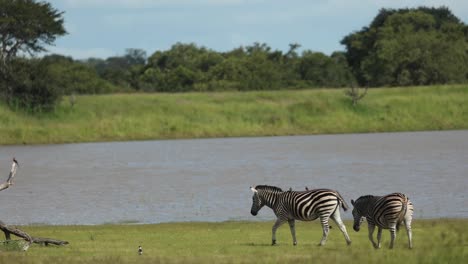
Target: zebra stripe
[[385, 212], [300, 205]]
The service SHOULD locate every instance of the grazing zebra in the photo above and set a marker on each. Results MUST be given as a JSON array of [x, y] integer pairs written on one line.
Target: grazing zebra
[[304, 205], [385, 212]]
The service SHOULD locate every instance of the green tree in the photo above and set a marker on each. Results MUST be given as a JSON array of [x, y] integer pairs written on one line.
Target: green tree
[[320, 70], [32, 87], [74, 77], [26, 27], [410, 47]]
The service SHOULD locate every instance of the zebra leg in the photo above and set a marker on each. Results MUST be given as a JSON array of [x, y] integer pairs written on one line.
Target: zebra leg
[[392, 235], [379, 236], [371, 228], [278, 223], [337, 218], [292, 226], [408, 231], [325, 228]]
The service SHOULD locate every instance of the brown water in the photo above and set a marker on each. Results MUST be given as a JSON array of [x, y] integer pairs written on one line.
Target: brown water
[[209, 179]]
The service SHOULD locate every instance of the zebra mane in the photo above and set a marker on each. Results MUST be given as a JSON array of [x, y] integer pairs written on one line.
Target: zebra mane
[[364, 197], [268, 188]]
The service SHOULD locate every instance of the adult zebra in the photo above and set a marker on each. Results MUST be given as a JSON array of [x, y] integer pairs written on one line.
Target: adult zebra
[[304, 205], [385, 212]]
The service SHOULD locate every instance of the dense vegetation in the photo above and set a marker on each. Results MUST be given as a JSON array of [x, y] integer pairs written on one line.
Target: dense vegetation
[[227, 114], [400, 47], [435, 241], [26, 27], [410, 47]]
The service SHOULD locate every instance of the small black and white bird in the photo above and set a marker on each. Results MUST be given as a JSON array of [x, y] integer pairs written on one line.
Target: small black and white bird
[[140, 250]]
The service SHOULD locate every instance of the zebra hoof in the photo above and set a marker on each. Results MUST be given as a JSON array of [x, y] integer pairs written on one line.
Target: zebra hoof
[[295, 243], [273, 242]]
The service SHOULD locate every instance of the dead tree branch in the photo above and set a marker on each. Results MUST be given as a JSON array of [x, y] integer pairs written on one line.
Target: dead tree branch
[[12, 174], [8, 230], [353, 92]]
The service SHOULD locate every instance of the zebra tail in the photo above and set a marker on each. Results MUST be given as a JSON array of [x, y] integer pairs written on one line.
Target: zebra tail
[[343, 202], [403, 212]]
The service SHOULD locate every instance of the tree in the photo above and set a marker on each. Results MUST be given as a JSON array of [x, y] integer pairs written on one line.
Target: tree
[[320, 70], [74, 77], [419, 46], [26, 26]]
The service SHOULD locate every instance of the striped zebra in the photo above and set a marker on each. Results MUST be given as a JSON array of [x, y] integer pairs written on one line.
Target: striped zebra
[[385, 212], [303, 205]]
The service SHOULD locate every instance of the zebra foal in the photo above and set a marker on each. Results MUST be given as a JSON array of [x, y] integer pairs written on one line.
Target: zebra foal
[[304, 205], [385, 212]]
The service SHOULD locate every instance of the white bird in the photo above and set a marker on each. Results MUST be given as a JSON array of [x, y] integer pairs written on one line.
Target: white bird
[[140, 250]]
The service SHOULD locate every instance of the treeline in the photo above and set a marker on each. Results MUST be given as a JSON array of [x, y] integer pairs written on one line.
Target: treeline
[[400, 47], [188, 67]]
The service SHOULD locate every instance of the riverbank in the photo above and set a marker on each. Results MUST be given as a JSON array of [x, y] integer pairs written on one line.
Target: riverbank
[[122, 117], [435, 241]]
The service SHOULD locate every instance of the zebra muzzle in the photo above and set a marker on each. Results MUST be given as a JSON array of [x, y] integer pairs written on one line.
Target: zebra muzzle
[[253, 213]]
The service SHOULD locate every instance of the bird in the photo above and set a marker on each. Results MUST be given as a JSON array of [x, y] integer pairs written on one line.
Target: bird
[[15, 161], [140, 250]]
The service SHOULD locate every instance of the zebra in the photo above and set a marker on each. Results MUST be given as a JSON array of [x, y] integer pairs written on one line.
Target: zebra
[[385, 212], [300, 205]]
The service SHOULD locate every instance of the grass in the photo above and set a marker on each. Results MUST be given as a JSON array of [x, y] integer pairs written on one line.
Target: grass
[[435, 241], [232, 114]]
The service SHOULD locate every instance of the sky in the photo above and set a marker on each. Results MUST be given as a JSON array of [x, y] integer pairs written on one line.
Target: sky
[[105, 28]]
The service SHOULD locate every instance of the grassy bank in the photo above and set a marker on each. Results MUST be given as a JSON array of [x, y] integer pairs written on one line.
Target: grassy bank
[[230, 114], [435, 241]]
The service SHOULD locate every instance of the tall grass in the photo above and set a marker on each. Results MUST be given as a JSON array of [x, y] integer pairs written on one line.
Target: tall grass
[[231, 114], [435, 241]]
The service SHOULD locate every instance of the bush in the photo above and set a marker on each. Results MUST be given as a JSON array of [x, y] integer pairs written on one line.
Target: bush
[[30, 88]]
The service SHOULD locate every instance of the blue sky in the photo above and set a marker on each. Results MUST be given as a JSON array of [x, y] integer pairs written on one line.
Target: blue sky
[[104, 28]]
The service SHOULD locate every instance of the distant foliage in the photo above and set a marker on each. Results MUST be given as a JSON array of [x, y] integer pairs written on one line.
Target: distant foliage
[[187, 67], [30, 87], [419, 46], [75, 77]]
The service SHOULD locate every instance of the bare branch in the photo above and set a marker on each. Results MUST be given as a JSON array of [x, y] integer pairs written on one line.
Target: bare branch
[[12, 174], [354, 94], [8, 230]]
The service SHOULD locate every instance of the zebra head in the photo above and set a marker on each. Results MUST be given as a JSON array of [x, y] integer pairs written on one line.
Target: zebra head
[[263, 195], [358, 214], [257, 203]]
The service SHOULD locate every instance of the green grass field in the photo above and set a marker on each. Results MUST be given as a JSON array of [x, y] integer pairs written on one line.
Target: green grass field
[[232, 114], [435, 241]]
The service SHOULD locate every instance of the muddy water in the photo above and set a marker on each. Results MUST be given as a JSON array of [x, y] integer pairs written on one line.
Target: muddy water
[[209, 179]]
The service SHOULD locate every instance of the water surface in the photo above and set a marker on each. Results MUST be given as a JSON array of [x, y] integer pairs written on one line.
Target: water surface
[[209, 179]]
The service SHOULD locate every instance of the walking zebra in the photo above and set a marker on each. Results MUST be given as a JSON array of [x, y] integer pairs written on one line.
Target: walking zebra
[[304, 205], [385, 212]]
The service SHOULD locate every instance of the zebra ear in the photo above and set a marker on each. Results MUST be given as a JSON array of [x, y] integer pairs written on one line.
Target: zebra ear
[[352, 201], [253, 189]]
